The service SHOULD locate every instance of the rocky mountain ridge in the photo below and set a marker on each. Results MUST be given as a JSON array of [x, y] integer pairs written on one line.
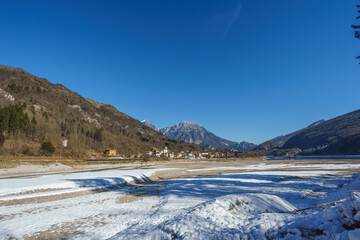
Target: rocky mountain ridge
[[150, 125], [192, 132], [337, 136]]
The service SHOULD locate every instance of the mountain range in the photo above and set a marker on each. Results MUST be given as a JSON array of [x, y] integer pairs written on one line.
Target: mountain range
[[34, 110], [192, 132], [47, 112], [337, 136]]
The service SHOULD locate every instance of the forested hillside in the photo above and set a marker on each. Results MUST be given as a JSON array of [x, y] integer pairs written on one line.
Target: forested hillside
[[34, 110]]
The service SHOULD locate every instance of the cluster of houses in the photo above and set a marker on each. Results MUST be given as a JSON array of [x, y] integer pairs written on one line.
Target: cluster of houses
[[165, 153]]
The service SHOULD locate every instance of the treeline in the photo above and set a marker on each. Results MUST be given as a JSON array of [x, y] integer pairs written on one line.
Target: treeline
[[14, 88], [13, 120], [71, 126]]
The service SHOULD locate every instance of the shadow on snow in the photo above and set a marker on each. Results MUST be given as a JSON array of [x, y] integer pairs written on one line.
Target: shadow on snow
[[290, 188]]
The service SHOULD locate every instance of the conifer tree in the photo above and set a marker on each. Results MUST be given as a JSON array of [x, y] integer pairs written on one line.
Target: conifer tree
[[14, 122], [357, 27]]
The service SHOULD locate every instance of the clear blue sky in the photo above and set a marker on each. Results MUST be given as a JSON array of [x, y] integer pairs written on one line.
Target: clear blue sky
[[245, 69]]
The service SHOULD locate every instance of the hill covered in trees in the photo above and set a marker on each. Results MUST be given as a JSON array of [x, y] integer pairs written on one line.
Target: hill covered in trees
[[337, 136], [34, 111]]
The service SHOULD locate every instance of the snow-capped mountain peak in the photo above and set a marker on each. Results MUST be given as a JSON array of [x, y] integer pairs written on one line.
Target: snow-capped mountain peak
[[149, 124], [189, 124], [192, 132]]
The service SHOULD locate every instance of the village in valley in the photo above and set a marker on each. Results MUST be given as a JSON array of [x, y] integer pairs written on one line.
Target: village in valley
[[165, 153]]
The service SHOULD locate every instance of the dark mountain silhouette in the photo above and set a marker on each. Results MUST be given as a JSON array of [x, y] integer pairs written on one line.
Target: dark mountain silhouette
[[337, 136]]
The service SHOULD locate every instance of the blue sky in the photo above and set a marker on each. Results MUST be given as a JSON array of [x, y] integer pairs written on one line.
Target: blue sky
[[245, 69]]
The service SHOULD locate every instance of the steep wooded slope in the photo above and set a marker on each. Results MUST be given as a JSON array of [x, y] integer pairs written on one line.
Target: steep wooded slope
[[60, 113]]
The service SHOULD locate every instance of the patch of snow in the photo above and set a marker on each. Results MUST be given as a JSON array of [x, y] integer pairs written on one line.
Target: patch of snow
[[149, 124], [86, 116], [189, 124], [7, 95], [76, 107], [294, 173], [93, 120], [357, 217], [38, 108], [226, 217], [354, 234], [75, 181]]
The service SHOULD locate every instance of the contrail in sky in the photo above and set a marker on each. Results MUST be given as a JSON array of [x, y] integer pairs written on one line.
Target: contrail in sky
[[233, 18]]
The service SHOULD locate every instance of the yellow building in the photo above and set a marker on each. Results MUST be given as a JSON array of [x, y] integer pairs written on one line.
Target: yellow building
[[110, 152]]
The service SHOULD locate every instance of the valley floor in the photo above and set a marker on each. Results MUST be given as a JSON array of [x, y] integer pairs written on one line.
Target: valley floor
[[185, 200]]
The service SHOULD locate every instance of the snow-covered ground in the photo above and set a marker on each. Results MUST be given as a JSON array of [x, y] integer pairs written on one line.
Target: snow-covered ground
[[256, 204]]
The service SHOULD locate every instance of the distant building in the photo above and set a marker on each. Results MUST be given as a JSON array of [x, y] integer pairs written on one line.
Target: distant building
[[165, 150], [110, 152], [205, 155], [64, 143], [64, 140], [157, 153]]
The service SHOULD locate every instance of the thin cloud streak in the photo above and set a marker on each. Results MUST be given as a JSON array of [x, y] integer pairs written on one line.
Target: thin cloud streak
[[233, 19]]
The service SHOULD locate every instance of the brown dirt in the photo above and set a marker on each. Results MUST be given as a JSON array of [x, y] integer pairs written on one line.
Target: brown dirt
[[67, 229], [34, 191]]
